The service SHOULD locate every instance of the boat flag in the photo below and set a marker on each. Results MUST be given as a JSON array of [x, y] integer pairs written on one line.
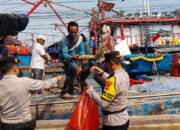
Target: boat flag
[[107, 6], [155, 37]]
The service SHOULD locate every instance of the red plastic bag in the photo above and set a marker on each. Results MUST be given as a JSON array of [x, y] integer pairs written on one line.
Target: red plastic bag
[[85, 115]]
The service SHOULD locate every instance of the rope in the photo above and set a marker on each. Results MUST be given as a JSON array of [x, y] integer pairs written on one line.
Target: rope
[[146, 59]]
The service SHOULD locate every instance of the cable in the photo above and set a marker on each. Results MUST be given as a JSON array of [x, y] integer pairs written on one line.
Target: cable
[[72, 8], [14, 7], [5, 1], [68, 14], [39, 33]]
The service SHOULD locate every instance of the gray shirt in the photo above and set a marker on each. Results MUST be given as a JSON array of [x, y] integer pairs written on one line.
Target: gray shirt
[[15, 97], [120, 101]]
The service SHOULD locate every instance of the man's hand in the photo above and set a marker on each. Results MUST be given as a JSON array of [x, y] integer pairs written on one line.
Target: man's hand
[[46, 58], [89, 88], [84, 57], [96, 70], [75, 57], [59, 78]]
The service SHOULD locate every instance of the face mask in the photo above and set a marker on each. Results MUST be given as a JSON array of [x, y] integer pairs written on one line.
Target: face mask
[[73, 38]]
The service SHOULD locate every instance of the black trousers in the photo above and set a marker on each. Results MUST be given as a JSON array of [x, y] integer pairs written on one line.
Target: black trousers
[[70, 71], [82, 76], [121, 127], [17, 129], [37, 73], [30, 125]]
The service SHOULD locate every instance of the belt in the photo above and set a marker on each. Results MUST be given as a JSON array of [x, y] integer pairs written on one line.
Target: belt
[[29, 124], [114, 112]]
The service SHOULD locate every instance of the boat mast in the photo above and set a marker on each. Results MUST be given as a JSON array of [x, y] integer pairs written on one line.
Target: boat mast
[[94, 12], [140, 10], [146, 6]]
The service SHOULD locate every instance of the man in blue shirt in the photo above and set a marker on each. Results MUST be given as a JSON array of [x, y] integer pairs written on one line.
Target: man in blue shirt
[[71, 46]]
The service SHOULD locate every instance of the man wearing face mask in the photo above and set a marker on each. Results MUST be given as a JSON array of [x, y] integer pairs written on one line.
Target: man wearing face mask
[[71, 47]]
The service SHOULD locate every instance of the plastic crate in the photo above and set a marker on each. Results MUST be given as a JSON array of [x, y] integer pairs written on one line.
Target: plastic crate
[[26, 59]]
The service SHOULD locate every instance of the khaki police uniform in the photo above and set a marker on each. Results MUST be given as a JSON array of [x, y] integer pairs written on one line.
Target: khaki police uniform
[[114, 98], [15, 98]]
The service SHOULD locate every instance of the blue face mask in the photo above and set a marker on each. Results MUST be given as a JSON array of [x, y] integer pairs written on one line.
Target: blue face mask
[[72, 38]]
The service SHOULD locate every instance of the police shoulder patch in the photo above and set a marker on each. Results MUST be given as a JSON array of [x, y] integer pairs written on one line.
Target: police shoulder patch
[[109, 91]]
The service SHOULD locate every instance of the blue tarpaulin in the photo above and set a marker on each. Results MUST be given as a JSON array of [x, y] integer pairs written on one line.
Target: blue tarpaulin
[[159, 84]]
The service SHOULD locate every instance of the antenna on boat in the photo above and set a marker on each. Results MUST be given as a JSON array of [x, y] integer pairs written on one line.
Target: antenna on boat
[[146, 6], [140, 9]]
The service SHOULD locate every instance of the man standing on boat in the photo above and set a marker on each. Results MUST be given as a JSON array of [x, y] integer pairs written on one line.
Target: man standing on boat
[[106, 44], [71, 47], [39, 57], [113, 99], [15, 96]]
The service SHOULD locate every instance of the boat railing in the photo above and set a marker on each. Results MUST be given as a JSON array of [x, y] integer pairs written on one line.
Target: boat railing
[[132, 96], [144, 15]]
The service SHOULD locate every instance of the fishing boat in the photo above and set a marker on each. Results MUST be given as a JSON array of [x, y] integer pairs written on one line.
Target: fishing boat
[[147, 110], [150, 110], [148, 38]]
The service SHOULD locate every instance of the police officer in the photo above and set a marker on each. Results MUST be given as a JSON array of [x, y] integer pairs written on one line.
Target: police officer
[[15, 96], [113, 99]]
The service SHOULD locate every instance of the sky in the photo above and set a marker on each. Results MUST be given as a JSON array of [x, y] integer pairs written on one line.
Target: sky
[[42, 20]]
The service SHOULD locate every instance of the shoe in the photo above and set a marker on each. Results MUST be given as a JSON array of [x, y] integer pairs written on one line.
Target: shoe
[[66, 96]]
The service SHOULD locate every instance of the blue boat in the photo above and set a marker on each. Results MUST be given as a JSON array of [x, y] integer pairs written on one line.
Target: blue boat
[[142, 66]]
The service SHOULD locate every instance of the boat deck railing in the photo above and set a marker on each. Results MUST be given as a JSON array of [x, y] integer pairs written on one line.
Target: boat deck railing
[[163, 14]]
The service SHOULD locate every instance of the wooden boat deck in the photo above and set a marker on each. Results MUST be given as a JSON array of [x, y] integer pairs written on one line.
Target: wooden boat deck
[[157, 122], [132, 95]]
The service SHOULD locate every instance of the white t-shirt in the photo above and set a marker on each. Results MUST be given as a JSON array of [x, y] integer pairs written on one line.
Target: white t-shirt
[[37, 60]]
